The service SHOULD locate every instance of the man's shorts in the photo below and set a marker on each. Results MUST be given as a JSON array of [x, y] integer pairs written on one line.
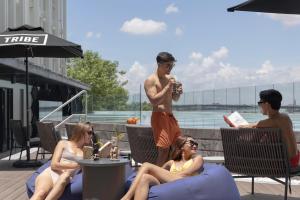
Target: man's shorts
[[165, 129], [295, 160]]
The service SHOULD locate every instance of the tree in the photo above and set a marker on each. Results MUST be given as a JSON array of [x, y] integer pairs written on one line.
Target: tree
[[107, 92]]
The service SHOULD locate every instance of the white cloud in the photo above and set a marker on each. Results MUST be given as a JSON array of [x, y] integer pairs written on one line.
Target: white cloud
[[92, 34], [287, 20], [212, 72], [266, 68], [136, 75], [89, 34], [227, 72], [178, 31], [207, 62], [204, 72], [196, 56], [139, 26], [172, 8], [220, 53]]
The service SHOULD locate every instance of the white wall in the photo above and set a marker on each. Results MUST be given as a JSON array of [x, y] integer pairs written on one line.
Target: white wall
[[16, 99]]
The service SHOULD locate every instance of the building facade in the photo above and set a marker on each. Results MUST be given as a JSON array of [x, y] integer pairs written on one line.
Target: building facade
[[49, 14], [47, 76]]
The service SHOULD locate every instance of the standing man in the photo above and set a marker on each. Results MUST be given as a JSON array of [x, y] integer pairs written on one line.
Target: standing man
[[160, 91]]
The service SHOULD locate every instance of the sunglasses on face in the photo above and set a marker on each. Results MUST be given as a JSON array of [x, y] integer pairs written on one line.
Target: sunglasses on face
[[192, 143], [168, 65], [90, 132], [260, 102]]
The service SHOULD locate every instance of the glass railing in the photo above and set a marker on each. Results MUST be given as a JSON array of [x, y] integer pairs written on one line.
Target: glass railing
[[203, 109]]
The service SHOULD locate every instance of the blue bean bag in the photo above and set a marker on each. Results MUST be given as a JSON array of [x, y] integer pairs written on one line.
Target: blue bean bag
[[213, 183], [73, 191]]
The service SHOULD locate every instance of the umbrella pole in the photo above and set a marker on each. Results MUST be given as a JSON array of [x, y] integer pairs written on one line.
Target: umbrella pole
[[27, 162], [27, 107]]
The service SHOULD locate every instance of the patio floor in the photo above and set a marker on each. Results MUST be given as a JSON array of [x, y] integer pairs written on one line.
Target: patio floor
[[12, 186]]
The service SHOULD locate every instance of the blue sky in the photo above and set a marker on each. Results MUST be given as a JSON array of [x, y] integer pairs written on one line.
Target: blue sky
[[214, 48]]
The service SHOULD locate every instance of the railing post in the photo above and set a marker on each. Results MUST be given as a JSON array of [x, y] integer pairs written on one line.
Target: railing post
[[86, 105], [140, 103]]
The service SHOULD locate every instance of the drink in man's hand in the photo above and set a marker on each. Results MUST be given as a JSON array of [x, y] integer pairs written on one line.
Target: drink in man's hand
[[176, 86]]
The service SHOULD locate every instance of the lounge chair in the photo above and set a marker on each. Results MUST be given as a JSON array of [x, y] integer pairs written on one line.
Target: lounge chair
[[257, 153], [48, 136], [142, 145], [19, 138]]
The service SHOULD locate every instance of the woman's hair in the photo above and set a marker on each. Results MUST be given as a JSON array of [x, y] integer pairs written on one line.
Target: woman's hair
[[79, 131], [177, 153]]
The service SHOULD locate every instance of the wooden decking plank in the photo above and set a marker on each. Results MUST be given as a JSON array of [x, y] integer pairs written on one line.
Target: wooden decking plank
[[12, 187], [15, 184], [265, 191], [19, 191], [10, 184]]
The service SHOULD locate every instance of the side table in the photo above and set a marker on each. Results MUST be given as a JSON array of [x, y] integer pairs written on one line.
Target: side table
[[103, 179]]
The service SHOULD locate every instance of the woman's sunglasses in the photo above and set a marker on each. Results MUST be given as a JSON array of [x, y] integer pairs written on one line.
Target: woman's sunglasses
[[90, 132], [192, 143]]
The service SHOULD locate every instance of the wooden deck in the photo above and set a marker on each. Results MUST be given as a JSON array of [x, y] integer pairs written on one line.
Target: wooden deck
[[12, 186], [12, 181]]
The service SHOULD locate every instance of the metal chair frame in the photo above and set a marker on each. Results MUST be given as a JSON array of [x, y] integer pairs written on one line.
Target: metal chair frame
[[257, 152]]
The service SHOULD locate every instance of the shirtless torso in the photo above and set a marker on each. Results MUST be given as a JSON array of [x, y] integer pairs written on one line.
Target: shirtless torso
[[283, 122], [159, 92]]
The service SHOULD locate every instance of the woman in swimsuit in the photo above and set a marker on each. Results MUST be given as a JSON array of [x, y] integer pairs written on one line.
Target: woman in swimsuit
[[185, 163], [51, 183]]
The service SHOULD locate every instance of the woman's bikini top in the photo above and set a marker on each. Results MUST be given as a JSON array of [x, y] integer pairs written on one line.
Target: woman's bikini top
[[174, 169], [69, 155]]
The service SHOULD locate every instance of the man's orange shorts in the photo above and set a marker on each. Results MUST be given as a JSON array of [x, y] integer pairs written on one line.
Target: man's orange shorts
[[165, 129], [294, 161]]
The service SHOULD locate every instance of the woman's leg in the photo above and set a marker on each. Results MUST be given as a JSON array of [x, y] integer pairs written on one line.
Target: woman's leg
[[161, 174], [141, 192], [59, 186], [43, 184]]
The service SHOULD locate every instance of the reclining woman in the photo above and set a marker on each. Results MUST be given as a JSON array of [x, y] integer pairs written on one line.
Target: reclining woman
[[51, 183], [186, 162]]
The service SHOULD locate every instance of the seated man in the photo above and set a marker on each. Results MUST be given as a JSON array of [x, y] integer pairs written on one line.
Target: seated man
[[269, 104]]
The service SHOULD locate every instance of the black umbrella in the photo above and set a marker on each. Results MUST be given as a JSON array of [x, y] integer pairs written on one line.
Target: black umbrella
[[26, 41], [269, 6]]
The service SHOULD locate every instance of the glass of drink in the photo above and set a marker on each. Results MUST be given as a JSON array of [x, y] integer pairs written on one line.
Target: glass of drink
[[87, 152], [114, 152], [176, 85]]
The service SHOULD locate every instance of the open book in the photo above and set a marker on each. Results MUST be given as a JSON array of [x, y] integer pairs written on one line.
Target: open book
[[104, 151], [235, 119]]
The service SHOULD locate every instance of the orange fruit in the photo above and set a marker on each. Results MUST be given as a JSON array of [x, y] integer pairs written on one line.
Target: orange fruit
[[136, 119], [130, 120]]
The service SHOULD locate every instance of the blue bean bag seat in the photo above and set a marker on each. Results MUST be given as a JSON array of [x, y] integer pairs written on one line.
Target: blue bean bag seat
[[213, 183], [73, 191]]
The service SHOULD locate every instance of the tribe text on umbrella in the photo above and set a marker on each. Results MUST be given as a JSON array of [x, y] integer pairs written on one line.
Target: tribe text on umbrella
[[25, 39]]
